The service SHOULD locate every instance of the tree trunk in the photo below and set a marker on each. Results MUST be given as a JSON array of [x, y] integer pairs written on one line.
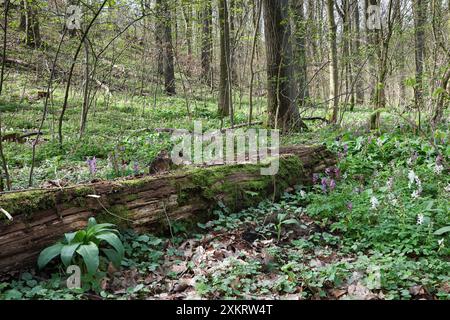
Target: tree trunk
[[225, 99], [419, 9], [32, 29], [334, 85], [283, 114], [206, 53], [169, 69], [41, 217], [357, 54], [299, 24]]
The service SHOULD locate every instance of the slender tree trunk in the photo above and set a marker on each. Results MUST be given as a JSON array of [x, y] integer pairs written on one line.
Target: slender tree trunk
[[159, 31], [357, 52], [4, 168], [419, 9], [301, 74], [225, 103], [283, 114], [252, 58], [169, 69], [334, 85], [32, 29], [206, 52]]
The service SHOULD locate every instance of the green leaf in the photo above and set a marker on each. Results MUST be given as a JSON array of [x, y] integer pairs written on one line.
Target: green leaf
[[67, 253], [48, 254], [290, 221], [113, 256], [112, 240], [89, 252], [442, 231]]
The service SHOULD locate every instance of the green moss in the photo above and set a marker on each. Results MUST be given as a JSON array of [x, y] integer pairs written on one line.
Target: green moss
[[27, 202], [213, 183]]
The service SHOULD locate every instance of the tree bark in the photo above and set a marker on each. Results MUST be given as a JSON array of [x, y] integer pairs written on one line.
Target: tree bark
[[299, 24], [225, 99], [419, 10], [283, 114], [169, 69], [206, 52], [334, 85]]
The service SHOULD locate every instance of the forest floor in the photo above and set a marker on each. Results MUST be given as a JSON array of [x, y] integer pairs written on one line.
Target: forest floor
[[365, 230]]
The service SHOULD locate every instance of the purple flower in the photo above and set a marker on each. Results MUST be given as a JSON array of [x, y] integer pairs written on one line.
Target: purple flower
[[315, 178], [324, 183], [340, 155], [345, 148], [328, 171], [337, 173], [332, 184], [92, 163], [136, 167], [350, 206], [439, 160]]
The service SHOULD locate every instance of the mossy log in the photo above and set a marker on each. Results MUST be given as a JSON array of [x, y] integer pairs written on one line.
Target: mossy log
[[40, 217]]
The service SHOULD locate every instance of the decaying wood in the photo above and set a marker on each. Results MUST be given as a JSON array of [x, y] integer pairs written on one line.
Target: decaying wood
[[40, 217]]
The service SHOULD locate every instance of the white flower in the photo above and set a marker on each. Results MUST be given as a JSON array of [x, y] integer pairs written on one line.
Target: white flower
[[374, 201], [409, 161], [379, 142], [302, 193], [394, 202], [438, 169], [390, 183], [420, 219], [415, 194], [411, 177], [447, 188], [441, 242]]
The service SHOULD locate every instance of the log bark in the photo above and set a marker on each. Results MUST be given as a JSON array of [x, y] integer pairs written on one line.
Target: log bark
[[42, 216]]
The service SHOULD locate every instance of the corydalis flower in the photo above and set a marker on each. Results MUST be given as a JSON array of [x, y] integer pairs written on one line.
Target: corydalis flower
[[350, 206], [420, 219], [332, 184], [324, 184], [136, 167], [337, 173], [92, 163], [415, 194], [328, 171], [315, 178], [390, 184], [441, 242], [374, 202], [438, 169]]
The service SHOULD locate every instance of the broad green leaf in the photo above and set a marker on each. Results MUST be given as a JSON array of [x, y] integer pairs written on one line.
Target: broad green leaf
[[113, 256], [112, 240], [67, 253], [442, 231], [48, 254], [89, 252]]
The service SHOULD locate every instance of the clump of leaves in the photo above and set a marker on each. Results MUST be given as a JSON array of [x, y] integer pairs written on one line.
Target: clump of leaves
[[84, 247]]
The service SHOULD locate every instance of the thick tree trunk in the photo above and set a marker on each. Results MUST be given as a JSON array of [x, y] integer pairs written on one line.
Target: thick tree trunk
[[43, 216], [282, 111]]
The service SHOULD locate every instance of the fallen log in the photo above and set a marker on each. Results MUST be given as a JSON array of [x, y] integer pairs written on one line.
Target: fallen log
[[40, 217]]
